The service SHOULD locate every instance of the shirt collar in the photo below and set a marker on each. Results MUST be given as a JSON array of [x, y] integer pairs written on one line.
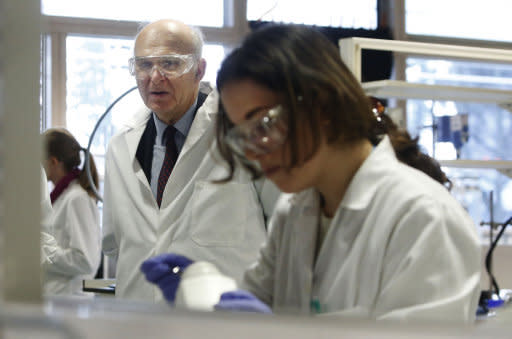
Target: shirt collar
[[183, 125], [366, 180]]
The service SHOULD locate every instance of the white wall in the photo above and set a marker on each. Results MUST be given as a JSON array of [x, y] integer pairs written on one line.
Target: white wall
[[20, 156]]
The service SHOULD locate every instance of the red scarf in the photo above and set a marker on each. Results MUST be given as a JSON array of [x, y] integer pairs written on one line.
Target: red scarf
[[64, 183]]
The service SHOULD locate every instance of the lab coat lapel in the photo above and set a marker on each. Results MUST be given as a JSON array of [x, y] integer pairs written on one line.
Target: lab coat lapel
[[207, 107], [144, 152], [133, 138], [194, 151]]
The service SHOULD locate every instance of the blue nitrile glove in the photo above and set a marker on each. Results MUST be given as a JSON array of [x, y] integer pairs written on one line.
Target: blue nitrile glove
[[243, 301], [159, 270]]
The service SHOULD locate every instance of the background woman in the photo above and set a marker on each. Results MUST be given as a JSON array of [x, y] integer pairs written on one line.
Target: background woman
[[75, 225]]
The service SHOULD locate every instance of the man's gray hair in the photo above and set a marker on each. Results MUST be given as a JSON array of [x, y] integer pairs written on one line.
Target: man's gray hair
[[198, 38]]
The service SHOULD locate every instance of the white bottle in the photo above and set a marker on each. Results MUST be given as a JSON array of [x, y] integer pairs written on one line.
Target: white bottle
[[201, 286]]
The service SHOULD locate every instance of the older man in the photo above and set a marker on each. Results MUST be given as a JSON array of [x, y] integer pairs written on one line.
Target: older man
[[160, 195]]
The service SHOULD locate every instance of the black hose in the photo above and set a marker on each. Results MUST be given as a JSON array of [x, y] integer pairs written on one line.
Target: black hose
[[87, 151], [488, 258]]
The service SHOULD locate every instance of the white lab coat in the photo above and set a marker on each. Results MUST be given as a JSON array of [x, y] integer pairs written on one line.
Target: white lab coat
[[220, 223], [398, 247], [74, 253], [48, 242], [46, 204]]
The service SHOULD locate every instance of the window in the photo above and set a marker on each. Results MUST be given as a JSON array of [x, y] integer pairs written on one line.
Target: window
[[93, 61], [489, 129], [214, 54], [340, 13], [211, 12], [489, 125], [467, 19]]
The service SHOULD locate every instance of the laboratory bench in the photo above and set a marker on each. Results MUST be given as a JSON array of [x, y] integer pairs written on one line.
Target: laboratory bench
[[112, 318]]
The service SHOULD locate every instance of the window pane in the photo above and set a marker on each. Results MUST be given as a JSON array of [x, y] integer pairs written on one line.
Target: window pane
[[97, 73], [489, 129], [472, 188], [470, 19], [211, 12], [489, 125], [340, 13], [214, 54]]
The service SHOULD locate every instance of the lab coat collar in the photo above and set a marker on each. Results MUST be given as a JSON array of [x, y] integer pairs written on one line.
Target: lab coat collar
[[203, 119], [363, 185], [182, 125], [365, 182], [140, 118], [135, 129]]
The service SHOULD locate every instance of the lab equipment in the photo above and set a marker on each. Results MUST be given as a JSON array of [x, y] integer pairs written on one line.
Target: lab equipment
[[165, 271], [495, 296], [201, 287], [241, 300], [453, 129]]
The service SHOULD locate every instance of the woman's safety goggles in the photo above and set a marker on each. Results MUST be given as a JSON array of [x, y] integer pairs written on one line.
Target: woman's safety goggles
[[258, 136], [170, 66]]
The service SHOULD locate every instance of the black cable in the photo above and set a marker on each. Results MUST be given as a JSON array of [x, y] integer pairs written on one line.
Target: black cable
[[87, 151], [488, 258]]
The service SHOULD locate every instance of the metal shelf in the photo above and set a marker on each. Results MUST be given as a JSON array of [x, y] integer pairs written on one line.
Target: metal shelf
[[502, 166], [492, 164], [406, 90], [350, 50]]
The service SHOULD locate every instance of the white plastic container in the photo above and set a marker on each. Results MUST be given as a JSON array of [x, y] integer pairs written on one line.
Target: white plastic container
[[201, 286]]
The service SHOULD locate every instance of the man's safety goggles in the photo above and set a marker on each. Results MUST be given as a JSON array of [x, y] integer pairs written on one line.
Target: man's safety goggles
[[171, 66], [259, 136]]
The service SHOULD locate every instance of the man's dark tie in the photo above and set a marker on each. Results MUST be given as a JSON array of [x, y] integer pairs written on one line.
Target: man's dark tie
[[171, 155]]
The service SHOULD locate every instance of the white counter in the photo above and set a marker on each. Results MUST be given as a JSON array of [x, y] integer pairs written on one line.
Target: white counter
[[110, 318]]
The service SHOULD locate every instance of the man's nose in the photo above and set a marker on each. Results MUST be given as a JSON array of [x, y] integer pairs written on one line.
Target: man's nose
[[158, 75]]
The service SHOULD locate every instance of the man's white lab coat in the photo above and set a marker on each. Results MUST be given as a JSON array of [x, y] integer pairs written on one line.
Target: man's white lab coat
[[220, 223]]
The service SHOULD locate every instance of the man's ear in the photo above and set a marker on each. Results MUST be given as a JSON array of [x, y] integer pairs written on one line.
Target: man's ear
[[201, 69]]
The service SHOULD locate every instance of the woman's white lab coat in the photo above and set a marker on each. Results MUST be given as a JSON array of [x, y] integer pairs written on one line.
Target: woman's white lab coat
[[75, 254], [223, 224], [399, 246], [46, 204]]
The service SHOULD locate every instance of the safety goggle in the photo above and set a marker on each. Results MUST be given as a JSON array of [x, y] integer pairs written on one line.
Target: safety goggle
[[171, 66], [259, 136]]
